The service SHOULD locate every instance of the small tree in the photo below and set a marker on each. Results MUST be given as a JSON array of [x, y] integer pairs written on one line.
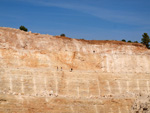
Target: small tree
[[23, 28], [129, 41], [62, 35], [145, 40], [123, 40]]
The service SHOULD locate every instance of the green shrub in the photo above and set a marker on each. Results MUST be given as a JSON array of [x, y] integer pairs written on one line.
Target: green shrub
[[123, 40], [62, 35], [23, 28]]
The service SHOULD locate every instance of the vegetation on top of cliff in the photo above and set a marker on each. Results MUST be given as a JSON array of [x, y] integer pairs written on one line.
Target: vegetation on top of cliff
[[63, 35], [123, 40], [146, 40], [129, 41], [23, 28], [136, 42]]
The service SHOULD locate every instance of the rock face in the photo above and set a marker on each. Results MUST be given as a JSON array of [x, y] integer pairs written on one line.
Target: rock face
[[47, 74]]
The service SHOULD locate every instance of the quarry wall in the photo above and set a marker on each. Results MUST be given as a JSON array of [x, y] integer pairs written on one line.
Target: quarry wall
[[52, 74]]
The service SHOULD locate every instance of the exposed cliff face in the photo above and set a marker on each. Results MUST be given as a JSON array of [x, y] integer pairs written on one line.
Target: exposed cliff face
[[43, 73]]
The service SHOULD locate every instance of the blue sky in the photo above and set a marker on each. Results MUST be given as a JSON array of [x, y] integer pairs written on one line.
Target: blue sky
[[88, 19]]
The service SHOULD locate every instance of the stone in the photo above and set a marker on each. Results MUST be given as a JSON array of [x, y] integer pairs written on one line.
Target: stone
[[107, 76]]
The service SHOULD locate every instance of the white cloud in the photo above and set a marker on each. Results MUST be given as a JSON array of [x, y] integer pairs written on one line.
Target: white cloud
[[124, 17]]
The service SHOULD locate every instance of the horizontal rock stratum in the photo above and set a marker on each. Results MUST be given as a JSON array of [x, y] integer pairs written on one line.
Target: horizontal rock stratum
[[52, 74]]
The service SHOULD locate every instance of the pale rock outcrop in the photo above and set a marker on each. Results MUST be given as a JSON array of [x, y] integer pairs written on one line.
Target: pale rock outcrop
[[52, 74]]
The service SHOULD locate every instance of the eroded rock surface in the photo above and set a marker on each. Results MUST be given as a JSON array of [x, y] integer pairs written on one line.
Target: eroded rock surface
[[47, 74]]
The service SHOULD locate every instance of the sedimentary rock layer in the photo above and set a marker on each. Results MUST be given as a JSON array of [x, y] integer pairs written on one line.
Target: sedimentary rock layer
[[52, 74]]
